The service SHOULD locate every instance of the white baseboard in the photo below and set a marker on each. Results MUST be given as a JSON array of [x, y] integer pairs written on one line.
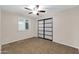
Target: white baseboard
[[67, 44], [11, 41]]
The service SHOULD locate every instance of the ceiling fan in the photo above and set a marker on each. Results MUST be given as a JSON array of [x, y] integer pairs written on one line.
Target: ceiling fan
[[35, 10]]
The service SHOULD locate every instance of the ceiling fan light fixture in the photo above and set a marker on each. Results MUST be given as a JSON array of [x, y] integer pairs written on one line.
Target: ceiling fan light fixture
[[34, 12], [34, 9]]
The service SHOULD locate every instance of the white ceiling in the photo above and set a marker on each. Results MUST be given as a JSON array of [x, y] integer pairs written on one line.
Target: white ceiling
[[49, 8]]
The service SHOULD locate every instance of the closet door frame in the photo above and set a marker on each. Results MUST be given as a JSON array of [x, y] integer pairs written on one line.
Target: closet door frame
[[44, 28]]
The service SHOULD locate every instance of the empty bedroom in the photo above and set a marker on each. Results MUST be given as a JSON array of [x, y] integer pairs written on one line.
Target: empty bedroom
[[39, 29]]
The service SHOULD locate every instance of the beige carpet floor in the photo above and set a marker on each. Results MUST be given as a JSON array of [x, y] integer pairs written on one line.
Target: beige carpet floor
[[37, 46]]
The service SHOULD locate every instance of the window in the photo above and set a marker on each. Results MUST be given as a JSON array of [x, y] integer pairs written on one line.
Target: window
[[23, 24]]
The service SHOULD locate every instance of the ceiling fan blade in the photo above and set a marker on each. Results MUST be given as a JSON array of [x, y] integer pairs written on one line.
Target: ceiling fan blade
[[30, 12], [42, 11], [36, 7], [28, 9]]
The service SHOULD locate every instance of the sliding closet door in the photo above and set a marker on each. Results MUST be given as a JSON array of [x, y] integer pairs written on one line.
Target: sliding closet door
[[48, 29], [40, 29], [45, 27]]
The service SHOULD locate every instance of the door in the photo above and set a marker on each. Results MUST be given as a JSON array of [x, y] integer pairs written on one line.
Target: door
[[45, 28], [40, 29], [48, 29]]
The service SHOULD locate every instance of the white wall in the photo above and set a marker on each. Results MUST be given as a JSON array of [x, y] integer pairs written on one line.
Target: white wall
[[10, 31], [66, 27]]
